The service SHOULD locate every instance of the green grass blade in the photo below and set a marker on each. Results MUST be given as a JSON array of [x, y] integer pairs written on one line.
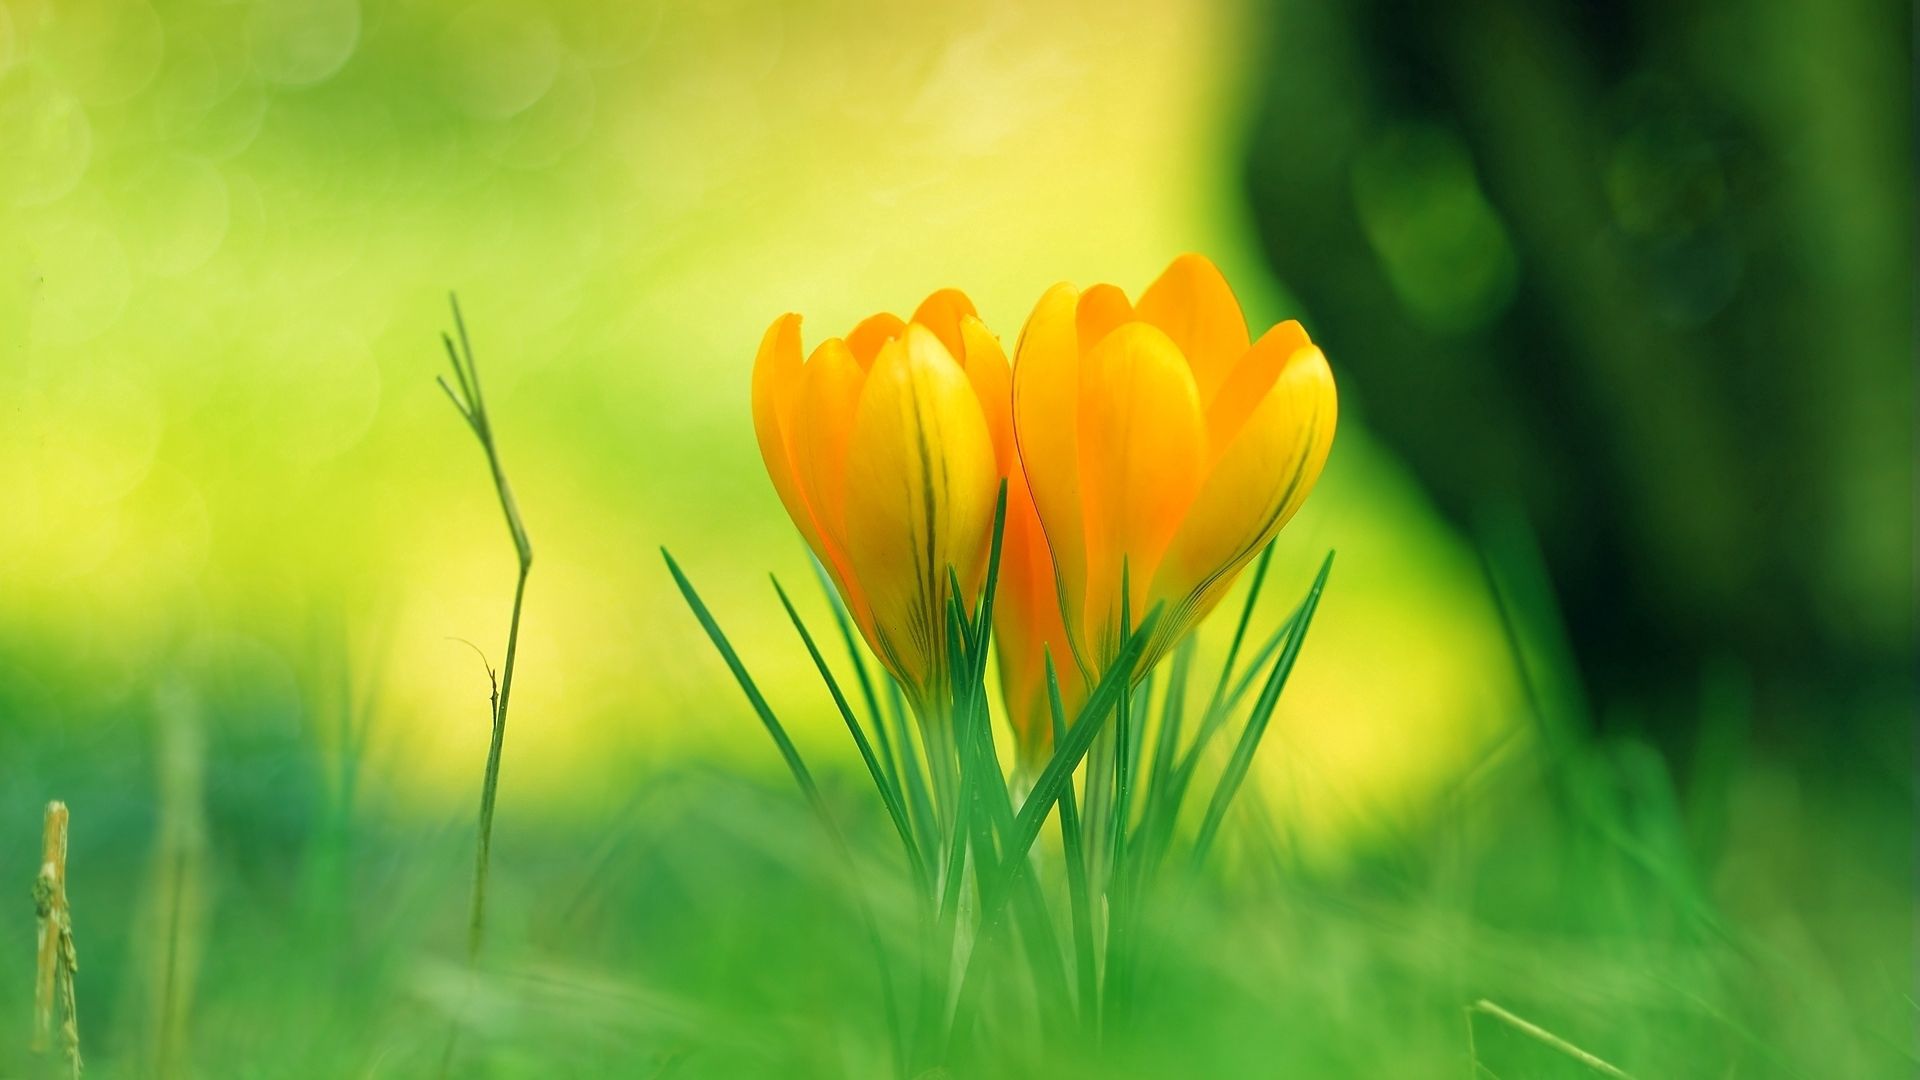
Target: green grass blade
[[975, 737], [1240, 629], [958, 622], [1068, 751], [913, 768], [888, 795], [470, 378], [979, 757], [1128, 891], [1267, 648], [1220, 706], [1156, 842], [1172, 717], [1080, 910], [1057, 775], [1217, 713], [465, 400], [984, 616], [1242, 760], [1162, 805], [788, 752], [962, 810], [883, 742], [907, 775], [1137, 736], [1123, 736], [993, 819], [791, 755], [956, 849], [1127, 729]]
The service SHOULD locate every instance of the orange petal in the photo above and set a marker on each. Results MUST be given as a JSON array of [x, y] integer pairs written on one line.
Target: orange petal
[[1102, 308], [1192, 303], [822, 427], [941, 313], [1027, 628], [1142, 451], [778, 377], [776, 380], [1260, 482], [986, 365], [1046, 409], [873, 332]]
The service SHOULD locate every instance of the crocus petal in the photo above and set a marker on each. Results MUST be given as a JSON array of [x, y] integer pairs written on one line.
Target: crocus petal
[[874, 331], [1246, 387], [823, 425], [1192, 303], [987, 370], [1027, 628], [920, 492], [1046, 409], [1260, 481], [942, 312], [1142, 452], [1102, 308], [777, 372]]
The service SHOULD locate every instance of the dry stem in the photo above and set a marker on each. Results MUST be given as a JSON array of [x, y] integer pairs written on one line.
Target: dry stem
[[59, 963]]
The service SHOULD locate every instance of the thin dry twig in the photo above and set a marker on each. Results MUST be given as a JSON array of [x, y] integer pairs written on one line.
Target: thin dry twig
[[59, 962]]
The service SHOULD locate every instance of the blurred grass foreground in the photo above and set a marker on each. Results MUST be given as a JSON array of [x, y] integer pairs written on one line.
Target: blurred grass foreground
[[1513, 817]]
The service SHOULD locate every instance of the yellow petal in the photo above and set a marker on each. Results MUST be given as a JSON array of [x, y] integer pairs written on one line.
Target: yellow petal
[[1046, 410], [1142, 452], [921, 483], [1262, 478], [1192, 303], [1246, 387], [874, 331]]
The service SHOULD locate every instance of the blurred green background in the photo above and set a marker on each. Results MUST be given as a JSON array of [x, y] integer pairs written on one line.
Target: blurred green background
[[1618, 299]]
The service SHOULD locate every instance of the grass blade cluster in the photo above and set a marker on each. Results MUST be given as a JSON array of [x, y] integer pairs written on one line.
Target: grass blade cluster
[[1116, 783]]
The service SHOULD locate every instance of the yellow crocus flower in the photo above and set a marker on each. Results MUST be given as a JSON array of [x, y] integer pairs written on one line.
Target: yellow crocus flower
[[887, 448], [1160, 443]]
